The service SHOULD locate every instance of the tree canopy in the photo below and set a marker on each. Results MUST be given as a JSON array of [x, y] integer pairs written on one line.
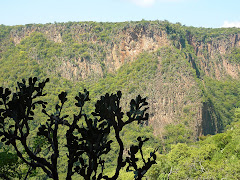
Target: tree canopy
[[86, 136]]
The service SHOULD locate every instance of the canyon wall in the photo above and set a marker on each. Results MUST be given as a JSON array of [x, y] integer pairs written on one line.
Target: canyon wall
[[175, 95]]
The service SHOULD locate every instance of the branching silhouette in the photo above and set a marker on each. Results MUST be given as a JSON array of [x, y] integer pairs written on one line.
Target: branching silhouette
[[87, 138]]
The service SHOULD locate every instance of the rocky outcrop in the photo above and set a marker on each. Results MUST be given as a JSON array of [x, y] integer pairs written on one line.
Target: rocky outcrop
[[80, 69], [174, 97], [51, 31], [211, 54], [123, 47]]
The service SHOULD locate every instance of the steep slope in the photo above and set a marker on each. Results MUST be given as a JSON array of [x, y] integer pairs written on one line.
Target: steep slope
[[186, 63], [90, 48]]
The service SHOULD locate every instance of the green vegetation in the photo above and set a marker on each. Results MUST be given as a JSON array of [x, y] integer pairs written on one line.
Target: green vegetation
[[213, 157], [129, 78], [74, 47], [87, 136], [224, 95], [9, 164], [175, 134], [234, 55]]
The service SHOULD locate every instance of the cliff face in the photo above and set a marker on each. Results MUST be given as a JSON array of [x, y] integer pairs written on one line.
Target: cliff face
[[126, 43], [175, 94], [211, 55], [176, 97], [123, 46]]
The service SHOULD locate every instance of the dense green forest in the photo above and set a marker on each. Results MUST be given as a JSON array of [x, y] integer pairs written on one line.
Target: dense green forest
[[80, 60]]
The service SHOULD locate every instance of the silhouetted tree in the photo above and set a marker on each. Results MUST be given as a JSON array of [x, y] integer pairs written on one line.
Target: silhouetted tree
[[87, 141]]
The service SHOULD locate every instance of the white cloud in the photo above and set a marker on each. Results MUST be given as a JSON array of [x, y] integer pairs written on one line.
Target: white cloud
[[144, 3], [149, 3], [231, 24]]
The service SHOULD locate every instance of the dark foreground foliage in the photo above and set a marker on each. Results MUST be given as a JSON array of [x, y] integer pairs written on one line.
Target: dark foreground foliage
[[86, 136]]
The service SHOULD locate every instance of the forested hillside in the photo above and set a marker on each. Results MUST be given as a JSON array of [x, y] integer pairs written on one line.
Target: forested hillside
[[189, 75]]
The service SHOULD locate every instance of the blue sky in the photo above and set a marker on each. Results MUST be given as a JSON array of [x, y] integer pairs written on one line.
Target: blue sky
[[198, 13]]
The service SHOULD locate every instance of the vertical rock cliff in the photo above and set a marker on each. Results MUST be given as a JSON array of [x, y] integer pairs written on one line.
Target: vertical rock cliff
[[185, 56]]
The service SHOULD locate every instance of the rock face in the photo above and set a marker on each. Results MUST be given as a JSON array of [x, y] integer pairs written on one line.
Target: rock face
[[212, 55], [134, 42], [124, 46], [175, 95]]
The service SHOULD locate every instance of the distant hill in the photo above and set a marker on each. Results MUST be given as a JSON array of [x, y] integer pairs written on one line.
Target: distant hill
[[190, 75]]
